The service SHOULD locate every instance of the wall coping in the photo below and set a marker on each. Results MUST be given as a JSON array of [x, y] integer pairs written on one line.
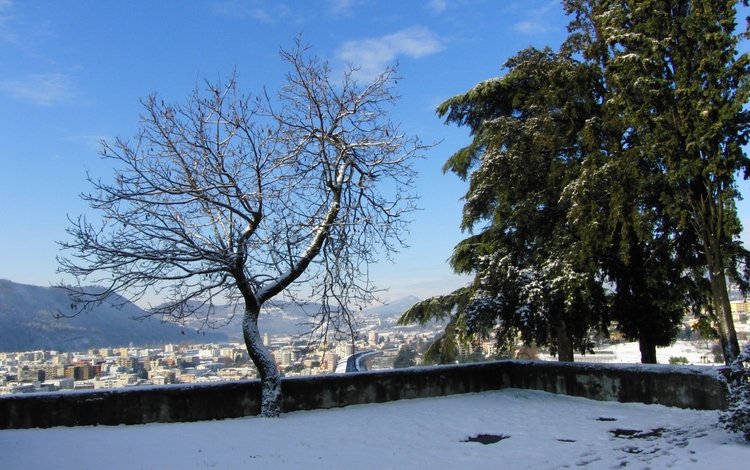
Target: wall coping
[[695, 387]]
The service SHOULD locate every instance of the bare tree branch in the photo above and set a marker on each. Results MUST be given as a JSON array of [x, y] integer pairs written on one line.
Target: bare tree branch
[[230, 197]]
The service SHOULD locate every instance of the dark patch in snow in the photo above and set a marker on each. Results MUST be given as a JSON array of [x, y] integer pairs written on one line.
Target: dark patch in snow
[[603, 418], [588, 458], [486, 438], [637, 434], [566, 440], [632, 450]]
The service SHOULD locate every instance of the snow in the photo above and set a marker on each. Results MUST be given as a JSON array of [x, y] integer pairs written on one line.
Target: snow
[[540, 431], [696, 352]]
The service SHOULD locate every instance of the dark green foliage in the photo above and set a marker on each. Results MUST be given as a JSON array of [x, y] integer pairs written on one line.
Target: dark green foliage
[[609, 163], [444, 349], [406, 357], [736, 418], [435, 308], [677, 89], [529, 279]]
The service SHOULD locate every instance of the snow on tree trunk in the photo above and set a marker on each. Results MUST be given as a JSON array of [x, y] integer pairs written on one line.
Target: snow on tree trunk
[[233, 196], [264, 361]]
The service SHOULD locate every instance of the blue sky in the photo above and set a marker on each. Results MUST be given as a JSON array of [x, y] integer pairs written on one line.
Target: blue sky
[[72, 73]]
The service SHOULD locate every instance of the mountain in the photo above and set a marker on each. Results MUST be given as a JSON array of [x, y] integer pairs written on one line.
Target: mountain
[[280, 318], [29, 321], [277, 318], [394, 308]]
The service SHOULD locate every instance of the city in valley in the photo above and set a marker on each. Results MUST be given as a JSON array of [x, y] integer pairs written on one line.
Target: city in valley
[[385, 345], [113, 367]]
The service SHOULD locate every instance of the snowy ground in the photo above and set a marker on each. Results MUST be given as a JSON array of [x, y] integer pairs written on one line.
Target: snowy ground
[[696, 353], [536, 430]]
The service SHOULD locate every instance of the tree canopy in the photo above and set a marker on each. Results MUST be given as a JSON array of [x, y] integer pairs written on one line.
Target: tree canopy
[[525, 151], [238, 197], [678, 87], [604, 179]]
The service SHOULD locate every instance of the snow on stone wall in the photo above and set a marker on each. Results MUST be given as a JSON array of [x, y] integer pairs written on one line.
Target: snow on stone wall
[[679, 386]]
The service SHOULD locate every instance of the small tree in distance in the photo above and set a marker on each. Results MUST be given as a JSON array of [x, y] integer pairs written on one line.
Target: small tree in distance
[[406, 357], [237, 198]]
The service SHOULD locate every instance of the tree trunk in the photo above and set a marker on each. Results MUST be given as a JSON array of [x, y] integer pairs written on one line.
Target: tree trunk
[[270, 405], [729, 343], [564, 345], [718, 279], [648, 350]]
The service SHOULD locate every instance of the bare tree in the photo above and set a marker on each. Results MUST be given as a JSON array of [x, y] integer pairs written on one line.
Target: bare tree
[[241, 198]]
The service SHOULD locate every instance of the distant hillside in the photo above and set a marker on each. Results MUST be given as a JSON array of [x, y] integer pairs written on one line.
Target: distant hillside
[[28, 322], [280, 318], [276, 319], [393, 309]]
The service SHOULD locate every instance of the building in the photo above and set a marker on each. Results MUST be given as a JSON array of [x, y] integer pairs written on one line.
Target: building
[[31, 374], [372, 337], [62, 383], [344, 349], [80, 372], [330, 360], [740, 311], [114, 381], [52, 371], [237, 373], [127, 362]]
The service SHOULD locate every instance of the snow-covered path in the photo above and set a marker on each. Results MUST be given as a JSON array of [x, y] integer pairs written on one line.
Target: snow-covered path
[[536, 430]]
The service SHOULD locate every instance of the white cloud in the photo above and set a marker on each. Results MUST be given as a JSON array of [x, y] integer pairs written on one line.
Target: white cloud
[[93, 141], [253, 10], [537, 20], [341, 7], [40, 89], [531, 27], [6, 34], [374, 54], [438, 6]]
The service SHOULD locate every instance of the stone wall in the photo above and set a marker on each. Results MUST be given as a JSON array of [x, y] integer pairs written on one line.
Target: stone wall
[[680, 386]]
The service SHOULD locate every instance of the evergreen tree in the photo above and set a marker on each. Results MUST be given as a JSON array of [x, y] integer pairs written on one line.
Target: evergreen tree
[[406, 357], [529, 279], [617, 208], [611, 161], [677, 87]]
